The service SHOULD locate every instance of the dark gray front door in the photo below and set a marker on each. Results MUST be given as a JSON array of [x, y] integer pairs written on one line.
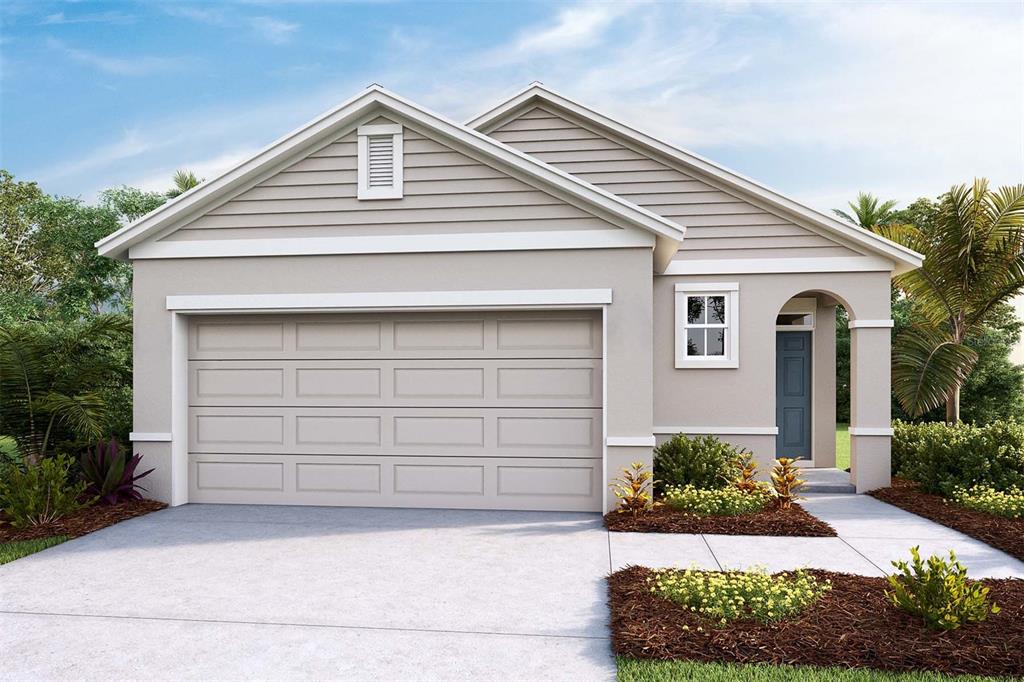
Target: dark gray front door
[[793, 394]]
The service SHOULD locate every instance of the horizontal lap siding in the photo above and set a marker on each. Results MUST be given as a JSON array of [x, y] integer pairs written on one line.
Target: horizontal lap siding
[[719, 224], [445, 192]]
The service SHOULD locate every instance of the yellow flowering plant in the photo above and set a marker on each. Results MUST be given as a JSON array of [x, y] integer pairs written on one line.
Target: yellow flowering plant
[[719, 502], [724, 596], [1008, 503]]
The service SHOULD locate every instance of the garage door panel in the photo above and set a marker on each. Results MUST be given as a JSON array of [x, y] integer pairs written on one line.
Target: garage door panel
[[536, 334], [403, 431], [555, 383], [489, 483]]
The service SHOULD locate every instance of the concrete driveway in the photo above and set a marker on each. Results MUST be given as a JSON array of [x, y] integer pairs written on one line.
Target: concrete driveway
[[205, 591]]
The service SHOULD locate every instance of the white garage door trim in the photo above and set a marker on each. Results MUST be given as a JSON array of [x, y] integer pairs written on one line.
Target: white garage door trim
[[182, 308]]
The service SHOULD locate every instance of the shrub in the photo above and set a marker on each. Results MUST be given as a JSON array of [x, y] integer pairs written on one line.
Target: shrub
[[703, 462], [39, 493], [738, 595], [939, 592], [110, 473], [942, 457], [746, 473], [720, 502], [786, 481], [1008, 503], [633, 488]]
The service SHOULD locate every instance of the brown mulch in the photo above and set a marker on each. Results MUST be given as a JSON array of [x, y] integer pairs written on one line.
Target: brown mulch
[[82, 521], [794, 522], [1000, 532], [852, 626]]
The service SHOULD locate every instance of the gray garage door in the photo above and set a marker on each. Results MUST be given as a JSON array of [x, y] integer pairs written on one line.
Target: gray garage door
[[469, 410]]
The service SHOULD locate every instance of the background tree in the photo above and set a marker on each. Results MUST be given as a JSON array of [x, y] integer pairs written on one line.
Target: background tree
[[184, 180], [974, 261], [868, 211]]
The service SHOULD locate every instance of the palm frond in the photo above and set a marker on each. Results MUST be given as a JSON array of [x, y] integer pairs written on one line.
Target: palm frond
[[927, 366], [83, 414]]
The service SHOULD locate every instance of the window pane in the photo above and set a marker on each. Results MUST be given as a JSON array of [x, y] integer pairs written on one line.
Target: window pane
[[716, 309], [716, 342], [695, 309], [695, 342]]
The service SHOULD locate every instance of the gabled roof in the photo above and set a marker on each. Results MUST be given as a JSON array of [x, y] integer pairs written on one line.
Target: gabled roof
[[348, 114], [536, 93]]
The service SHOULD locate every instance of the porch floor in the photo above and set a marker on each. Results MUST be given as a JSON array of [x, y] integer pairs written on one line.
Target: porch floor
[[827, 480]]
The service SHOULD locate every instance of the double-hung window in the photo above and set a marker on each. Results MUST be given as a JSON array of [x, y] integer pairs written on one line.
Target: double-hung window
[[707, 325]]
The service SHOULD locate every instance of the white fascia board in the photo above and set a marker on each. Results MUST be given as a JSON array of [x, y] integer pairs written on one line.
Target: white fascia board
[[718, 430], [777, 265], [906, 259], [431, 243], [384, 300], [330, 123]]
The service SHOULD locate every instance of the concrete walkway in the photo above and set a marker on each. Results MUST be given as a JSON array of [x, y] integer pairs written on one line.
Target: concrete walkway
[[206, 591], [871, 534]]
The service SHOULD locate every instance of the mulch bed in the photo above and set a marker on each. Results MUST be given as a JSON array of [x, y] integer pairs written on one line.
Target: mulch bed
[[1000, 532], [81, 522], [793, 522], [852, 625]]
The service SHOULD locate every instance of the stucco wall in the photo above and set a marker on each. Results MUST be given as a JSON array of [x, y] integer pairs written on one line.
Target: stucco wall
[[745, 396], [629, 319]]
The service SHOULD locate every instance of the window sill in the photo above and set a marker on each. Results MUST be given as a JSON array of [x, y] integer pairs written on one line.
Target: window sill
[[707, 364]]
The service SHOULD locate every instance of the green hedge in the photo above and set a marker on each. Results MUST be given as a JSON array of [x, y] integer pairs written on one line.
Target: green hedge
[[942, 457]]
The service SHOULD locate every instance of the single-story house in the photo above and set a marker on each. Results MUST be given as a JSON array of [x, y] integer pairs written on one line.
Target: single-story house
[[389, 308]]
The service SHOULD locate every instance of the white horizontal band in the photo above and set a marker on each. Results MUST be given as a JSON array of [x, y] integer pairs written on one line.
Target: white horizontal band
[[719, 430], [776, 265], [390, 243], [871, 324], [394, 299], [630, 441], [707, 286], [149, 437], [379, 129], [870, 431]]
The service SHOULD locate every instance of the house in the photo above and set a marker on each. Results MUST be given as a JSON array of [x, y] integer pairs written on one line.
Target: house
[[388, 308]]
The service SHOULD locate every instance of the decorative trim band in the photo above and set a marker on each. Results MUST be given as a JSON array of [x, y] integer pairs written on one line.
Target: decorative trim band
[[630, 441], [368, 300], [871, 324], [707, 286], [719, 430], [432, 243], [726, 266], [149, 437], [870, 431]]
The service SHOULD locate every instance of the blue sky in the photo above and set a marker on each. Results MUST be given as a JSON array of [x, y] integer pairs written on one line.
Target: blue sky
[[818, 100]]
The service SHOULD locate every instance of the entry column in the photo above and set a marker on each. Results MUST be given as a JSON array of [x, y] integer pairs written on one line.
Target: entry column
[[870, 406]]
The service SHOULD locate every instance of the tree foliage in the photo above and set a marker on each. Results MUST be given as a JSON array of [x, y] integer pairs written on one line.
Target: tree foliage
[[868, 211], [974, 260]]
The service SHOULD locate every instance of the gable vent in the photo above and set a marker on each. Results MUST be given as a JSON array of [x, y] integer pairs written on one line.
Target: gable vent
[[381, 165], [380, 161]]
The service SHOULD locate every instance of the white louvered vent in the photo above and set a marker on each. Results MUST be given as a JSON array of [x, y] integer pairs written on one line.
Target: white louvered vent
[[381, 165], [380, 161]]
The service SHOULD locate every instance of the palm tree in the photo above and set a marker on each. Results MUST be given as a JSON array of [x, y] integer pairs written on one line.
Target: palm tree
[[974, 260], [184, 180], [52, 378], [868, 212]]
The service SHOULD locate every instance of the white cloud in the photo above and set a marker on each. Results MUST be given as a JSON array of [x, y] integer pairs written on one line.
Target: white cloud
[[119, 66], [161, 179], [59, 18], [273, 30]]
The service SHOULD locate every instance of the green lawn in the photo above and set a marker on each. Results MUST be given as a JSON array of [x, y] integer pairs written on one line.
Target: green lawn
[[632, 670], [842, 446], [9, 551]]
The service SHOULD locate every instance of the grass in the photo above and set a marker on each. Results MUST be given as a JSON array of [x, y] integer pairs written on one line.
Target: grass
[[842, 446], [9, 551], [633, 670]]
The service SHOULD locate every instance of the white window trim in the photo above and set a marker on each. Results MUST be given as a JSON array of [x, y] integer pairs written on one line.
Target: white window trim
[[364, 191], [731, 290]]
